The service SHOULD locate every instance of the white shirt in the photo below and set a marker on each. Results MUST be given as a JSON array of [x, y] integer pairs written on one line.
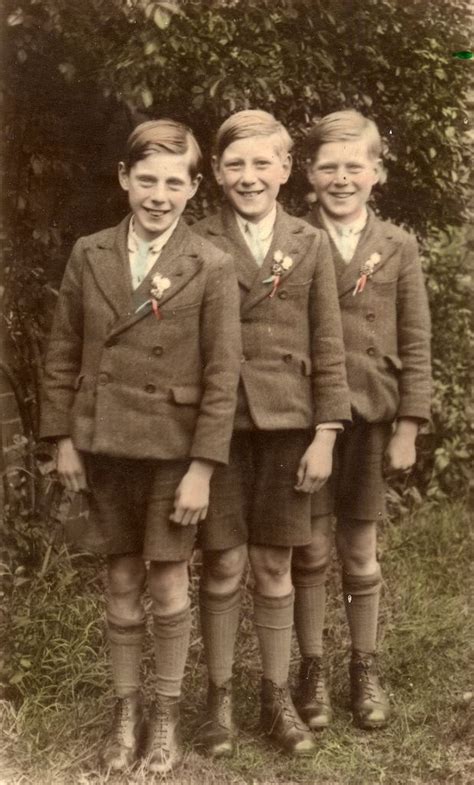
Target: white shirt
[[264, 228], [345, 236], [138, 247]]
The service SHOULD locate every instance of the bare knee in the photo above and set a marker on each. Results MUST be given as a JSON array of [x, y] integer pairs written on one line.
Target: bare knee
[[272, 570], [223, 570], [357, 547], [168, 586], [126, 580]]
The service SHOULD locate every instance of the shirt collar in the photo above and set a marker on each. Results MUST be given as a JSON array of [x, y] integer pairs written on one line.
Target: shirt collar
[[265, 226], [156, 245], [355, 227]]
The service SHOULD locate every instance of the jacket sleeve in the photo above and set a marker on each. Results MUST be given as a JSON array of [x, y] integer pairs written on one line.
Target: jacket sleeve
[[413, 335], [221, 352], [329, 383], [64, 352]]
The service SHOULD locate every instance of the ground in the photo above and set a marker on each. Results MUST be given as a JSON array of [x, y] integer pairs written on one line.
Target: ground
[[57, 704]]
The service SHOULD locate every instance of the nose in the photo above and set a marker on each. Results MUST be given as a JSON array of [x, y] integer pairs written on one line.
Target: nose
[[340, 177], [248, 175], [158, 194]]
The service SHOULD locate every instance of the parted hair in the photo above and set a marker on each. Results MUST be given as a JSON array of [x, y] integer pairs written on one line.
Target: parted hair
[[163, 136], [347, 125], [251, 122]]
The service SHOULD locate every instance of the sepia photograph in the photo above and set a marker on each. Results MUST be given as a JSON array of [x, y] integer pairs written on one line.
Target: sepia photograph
[[236, 362]]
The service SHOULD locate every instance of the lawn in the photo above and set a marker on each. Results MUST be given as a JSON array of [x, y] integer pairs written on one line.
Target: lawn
[[57, 703]]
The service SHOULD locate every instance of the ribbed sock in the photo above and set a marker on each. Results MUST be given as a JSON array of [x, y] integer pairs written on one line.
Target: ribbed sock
[[219, 623], [171, 635], [310, 609], [273, 618], [361, 599], [125, 645]]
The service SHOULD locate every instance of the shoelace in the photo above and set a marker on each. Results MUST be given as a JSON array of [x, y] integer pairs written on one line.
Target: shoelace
[[160, 730], [223, 707], [315, 680], [286, 707], [366, 679]]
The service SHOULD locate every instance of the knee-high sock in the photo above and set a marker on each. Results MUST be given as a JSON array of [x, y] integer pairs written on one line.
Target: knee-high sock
[[125, 645], [219, 623], [273, 618], [310, 609], [171, 639], [361, 599]]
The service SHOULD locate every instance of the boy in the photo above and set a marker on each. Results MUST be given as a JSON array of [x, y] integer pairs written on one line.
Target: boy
[[386, 330], [292, 381], [140, 389]]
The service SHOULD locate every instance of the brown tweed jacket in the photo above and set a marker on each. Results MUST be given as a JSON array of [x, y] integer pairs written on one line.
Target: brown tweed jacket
[[387, 326], [121, 382], [293, 373]]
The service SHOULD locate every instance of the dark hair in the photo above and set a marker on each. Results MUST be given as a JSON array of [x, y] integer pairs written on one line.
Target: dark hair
[[163, 136]]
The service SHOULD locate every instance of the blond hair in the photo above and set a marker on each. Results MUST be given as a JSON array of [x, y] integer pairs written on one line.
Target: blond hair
[[251, 122], [347, 125]]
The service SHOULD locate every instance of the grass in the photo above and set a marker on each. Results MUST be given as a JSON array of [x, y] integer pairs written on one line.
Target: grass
[[57, 699]]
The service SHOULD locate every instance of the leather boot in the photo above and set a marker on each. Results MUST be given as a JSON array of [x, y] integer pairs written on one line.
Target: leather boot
[[280, 720], [123, 743], [217, 732], [369, 703], [163, 746], [312, 697]]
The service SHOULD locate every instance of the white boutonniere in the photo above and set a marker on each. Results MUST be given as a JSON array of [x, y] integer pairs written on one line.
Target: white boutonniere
[[159, 285], [366, 272], [281, 264]]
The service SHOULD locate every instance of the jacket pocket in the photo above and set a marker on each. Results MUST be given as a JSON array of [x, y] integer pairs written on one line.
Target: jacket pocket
[[188, 394]]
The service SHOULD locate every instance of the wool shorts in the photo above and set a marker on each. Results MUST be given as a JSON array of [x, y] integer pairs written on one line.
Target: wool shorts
[[356, 488], [130, 504], [253, 498]]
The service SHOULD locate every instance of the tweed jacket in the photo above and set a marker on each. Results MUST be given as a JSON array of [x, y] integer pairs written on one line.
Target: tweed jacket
[[292, 373], [124, 383], [386, 326]]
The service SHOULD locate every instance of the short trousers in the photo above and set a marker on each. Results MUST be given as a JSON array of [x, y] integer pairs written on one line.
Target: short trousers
[[356, 488], [130, 504], [253, 498]]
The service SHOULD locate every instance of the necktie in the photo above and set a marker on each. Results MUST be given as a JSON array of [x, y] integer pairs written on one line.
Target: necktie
[[254, 243], [345, 244], [141, 263]]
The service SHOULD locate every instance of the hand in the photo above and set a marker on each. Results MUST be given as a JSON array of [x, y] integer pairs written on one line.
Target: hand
[[400, 454], [316, 464], [70, 466], [191, 499]]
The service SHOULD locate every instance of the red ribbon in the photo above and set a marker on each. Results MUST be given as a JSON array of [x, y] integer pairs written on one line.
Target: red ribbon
[[360, 285], [276, 284], [156, 310]]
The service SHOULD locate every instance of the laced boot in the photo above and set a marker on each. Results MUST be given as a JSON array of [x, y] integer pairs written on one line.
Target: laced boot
[[216, 734], [312, 697], [280, 720], [369, 703], [122, 746], [163, 747]]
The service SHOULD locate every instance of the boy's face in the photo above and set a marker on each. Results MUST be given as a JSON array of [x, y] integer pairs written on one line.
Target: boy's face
[[342, 175], [251, 172], [158, 187]]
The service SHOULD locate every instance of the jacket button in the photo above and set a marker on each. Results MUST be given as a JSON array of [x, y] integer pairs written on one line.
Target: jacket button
[[157, 351], [243, 359], [150, 388], [287, 358], [103, 378], [283, 295], [371, 351], [370, 317]]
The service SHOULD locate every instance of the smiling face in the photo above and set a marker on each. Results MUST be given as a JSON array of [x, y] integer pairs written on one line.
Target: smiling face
[[343, 175], [159, 187], [251, 171]]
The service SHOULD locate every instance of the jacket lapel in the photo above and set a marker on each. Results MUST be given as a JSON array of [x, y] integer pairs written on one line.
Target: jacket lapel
[[108, 260], [230, 238], [290, 239], [377, 237]]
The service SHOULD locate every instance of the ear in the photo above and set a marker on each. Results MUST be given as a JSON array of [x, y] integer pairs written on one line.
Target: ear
[[377, 170], [310, 171], [215, 169], [123, 176], [287, 163], [195, 185]]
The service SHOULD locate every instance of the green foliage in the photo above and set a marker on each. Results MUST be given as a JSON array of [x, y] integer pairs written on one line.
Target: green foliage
[[79, 75]]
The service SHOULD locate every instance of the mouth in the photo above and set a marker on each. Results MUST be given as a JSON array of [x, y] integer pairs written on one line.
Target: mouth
[[250, 194], [155, 214], [341, 196]]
